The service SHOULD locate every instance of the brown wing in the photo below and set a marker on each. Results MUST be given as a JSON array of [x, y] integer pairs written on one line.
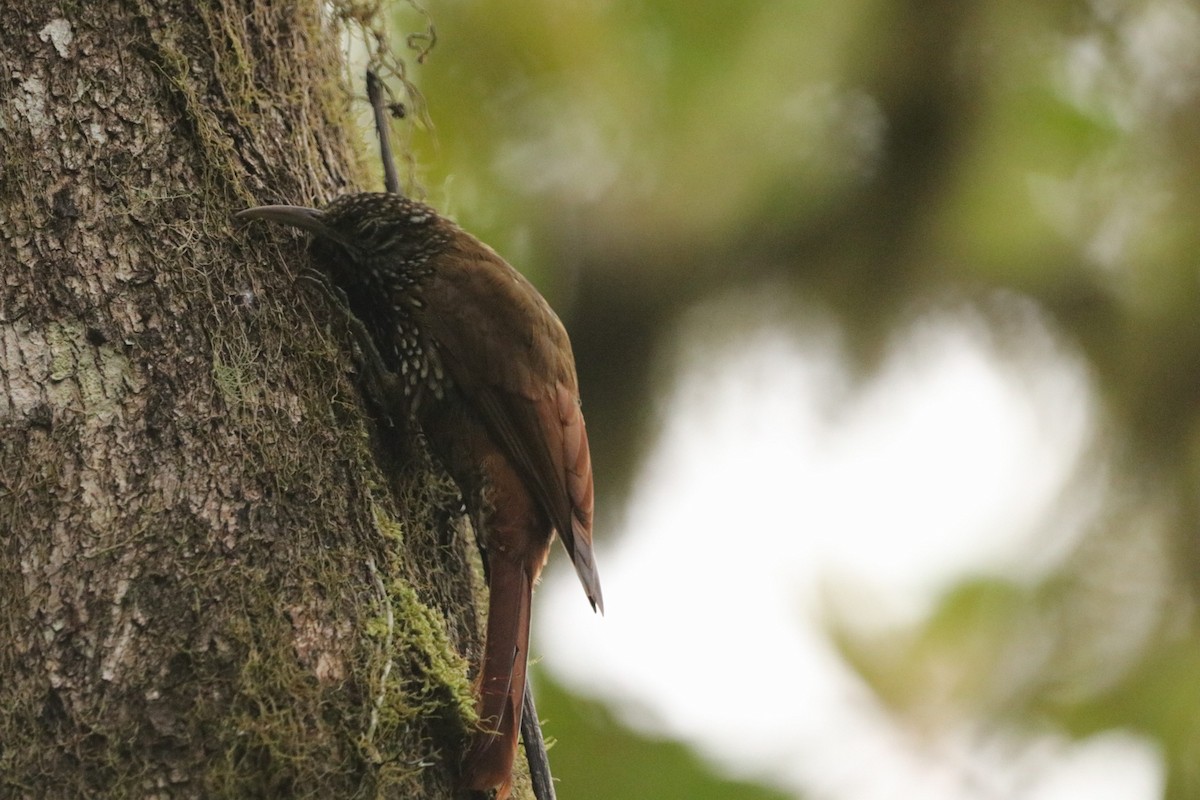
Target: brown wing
[[509, 353]]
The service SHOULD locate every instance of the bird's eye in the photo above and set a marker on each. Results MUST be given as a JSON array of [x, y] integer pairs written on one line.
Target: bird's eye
[[375, 234]]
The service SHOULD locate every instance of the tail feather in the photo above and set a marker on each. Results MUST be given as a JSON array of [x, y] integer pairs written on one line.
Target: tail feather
[[577, 472], [489, 760]]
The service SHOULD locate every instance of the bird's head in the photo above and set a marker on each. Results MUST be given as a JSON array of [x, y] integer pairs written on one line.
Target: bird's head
[[368, 227]]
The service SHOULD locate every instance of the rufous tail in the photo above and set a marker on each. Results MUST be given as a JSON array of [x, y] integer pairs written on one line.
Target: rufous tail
[[489, 761]]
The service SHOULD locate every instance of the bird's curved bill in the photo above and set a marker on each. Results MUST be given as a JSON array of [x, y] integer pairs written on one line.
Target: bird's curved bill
[[310, 219]]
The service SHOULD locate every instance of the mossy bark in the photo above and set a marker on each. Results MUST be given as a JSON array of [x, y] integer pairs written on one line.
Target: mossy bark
[[208, 585]]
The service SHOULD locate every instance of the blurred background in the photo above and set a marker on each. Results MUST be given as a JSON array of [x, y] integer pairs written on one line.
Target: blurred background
[[887, 317]]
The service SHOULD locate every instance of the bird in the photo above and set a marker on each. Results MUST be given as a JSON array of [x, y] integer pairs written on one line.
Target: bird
[[476, 357]]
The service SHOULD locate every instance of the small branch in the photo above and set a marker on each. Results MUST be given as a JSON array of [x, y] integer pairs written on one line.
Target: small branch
[[535, 748], [391, 178]]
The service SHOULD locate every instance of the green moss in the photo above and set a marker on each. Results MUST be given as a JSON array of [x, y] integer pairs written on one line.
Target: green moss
[[444, 671], [431, 682], [387, 525], [233, 373]]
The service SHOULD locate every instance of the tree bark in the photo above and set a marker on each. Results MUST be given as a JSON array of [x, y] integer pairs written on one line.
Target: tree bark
[[208, 585]]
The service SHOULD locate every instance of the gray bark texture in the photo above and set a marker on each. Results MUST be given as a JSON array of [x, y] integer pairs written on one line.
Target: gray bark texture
[[217, 577]]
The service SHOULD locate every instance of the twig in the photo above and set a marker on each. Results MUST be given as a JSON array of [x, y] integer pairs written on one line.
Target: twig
[[391, 179], [535, 749]]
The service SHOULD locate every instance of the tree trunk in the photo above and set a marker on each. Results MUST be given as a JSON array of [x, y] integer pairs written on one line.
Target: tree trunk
[[208, 585]]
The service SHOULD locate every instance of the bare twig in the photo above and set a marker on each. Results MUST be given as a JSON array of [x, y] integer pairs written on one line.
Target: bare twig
[[535, 749], [391, 179]]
